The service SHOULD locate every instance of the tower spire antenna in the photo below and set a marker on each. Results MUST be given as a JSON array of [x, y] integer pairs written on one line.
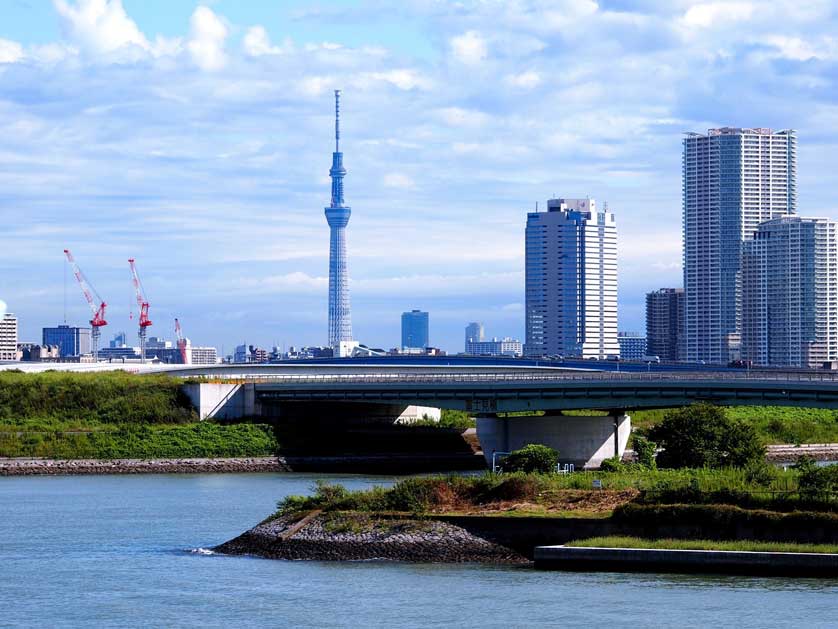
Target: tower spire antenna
[[337, 121]]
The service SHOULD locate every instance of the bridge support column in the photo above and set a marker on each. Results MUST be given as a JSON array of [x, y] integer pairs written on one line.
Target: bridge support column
[[583, 441]]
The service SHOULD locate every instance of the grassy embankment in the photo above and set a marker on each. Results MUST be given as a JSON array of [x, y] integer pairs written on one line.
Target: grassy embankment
[[113, 415], [725, 504], [571, 495], [620, 541]]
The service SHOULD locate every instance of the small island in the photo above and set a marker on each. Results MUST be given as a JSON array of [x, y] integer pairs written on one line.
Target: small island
[[729, 515]]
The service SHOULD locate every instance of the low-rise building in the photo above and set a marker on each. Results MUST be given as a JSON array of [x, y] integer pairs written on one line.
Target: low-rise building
[[203, 355], [32, 352], [72, 341], [496, 347], [632, 346]]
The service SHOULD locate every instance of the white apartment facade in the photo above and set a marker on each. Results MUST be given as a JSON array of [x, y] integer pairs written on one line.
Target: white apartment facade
[[571, 280], [790, 293], [8, 337], [733, 179], [496, 347], [202, 355]]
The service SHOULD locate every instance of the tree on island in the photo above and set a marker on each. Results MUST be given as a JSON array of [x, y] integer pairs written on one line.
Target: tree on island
[[702, 435]]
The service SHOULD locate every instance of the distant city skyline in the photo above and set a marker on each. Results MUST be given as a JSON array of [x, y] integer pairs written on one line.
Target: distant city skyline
[[191, 137]]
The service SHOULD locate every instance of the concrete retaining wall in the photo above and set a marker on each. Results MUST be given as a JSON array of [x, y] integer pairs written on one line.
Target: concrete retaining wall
[[583, 441], [688, 561]]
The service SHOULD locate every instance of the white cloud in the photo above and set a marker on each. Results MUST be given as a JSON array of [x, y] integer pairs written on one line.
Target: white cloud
[[404, 79], [10, 51], [469, 48], [525, 80], [207, 34], [801, 49], [713, 13], [99, 26], [398, 180], [256, 43], [2, 307], [296, 282], [460, 117]]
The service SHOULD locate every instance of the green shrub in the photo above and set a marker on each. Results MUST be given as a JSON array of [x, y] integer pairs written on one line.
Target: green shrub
[[816, 483], [702, 435], [531, 458], [613, 464], [646, 451]]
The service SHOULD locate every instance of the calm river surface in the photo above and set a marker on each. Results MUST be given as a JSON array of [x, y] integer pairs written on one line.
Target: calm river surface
[[115, 551]]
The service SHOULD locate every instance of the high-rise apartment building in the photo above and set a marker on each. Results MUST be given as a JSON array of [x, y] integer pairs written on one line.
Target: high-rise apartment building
[[665, 324], [790, 293], [8, 337], [71, 341], [337, 215], [571, 280], [415, 330], [474, 333], [733, 179]]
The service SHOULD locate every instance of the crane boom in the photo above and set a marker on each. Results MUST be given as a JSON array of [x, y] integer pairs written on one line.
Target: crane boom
[[142, 302], [88, 291], [98, 311]]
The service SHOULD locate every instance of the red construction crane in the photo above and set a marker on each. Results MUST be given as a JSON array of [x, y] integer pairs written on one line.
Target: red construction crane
[[142, 302], [98, 320], [181, 343]]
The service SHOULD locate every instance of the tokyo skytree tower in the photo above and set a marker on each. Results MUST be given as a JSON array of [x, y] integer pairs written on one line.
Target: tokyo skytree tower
[[337, 215]]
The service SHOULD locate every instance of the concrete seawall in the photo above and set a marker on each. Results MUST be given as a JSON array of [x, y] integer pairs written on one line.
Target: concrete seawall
[[687, 561]]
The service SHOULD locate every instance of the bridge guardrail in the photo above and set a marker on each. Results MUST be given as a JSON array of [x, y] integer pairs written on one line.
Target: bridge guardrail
[[598, 377]]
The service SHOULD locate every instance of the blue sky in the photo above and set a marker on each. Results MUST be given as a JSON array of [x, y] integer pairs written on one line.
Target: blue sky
[[196, 137]]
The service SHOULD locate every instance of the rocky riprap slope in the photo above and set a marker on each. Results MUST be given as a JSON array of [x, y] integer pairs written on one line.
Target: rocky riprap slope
[[357, 536], [33, 467]]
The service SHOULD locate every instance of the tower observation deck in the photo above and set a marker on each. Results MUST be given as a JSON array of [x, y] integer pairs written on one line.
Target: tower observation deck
[[337, 215]]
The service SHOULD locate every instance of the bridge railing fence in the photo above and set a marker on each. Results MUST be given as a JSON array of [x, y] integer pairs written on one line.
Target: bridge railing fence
[[505, 377]]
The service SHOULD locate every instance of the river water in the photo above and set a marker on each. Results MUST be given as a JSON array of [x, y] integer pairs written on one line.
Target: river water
[[107, 551]]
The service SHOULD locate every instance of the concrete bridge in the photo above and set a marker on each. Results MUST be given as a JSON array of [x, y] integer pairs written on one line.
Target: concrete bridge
[[376, 393]]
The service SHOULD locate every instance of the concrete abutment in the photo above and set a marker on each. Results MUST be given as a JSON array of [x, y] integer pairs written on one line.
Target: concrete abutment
[[583, 441]]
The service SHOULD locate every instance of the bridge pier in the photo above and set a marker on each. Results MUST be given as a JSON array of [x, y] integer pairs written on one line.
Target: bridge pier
[[583, 441]]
